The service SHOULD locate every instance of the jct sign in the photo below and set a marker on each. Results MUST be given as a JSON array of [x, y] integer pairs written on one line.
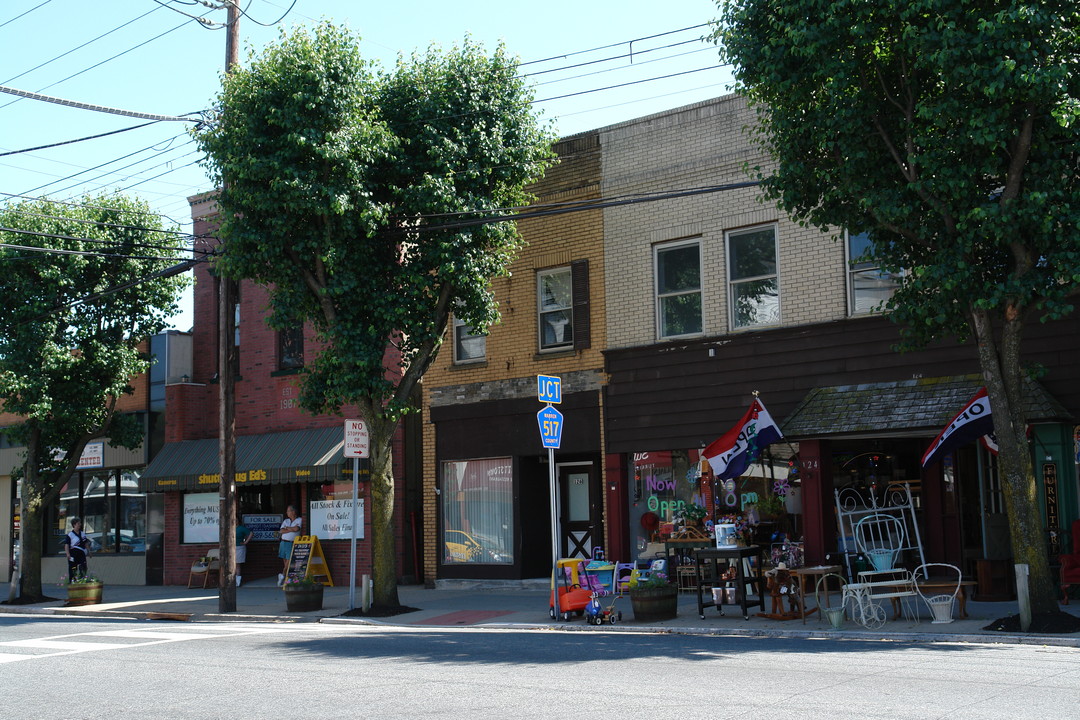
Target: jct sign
[[356, 439]]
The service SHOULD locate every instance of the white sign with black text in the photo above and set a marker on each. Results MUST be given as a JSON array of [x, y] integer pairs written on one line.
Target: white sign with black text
[[332, 519]]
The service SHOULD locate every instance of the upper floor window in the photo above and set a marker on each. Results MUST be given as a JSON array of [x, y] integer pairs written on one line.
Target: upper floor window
[[869, 285], [468, 347], [555, 301], [678, 289], [291, 348], [755, 285]]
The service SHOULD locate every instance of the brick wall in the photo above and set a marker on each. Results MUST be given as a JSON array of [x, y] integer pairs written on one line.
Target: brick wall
[[701, 145], [512, 358]]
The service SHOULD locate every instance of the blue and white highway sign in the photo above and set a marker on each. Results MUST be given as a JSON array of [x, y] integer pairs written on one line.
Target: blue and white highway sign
[[549, 389], [551, 424]]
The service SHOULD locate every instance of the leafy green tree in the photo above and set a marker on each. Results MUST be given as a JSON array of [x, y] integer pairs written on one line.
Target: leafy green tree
[[948, 129], [335, 177], [80, 296]]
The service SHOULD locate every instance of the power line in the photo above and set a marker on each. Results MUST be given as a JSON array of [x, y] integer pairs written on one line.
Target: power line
[[61, 251], [95, 108], [69, 142], [91, 169], [80, 47], [202, 21], [8, 22], [85, 205], [117, 171], [120, 54], [625, 84], [607, 47]]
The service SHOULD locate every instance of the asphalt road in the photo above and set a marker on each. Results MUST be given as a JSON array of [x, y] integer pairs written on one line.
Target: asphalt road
[[72, 668]]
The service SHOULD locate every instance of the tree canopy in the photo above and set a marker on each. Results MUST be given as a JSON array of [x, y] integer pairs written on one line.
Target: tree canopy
[[84, 285], [335, 176], [948, 130]]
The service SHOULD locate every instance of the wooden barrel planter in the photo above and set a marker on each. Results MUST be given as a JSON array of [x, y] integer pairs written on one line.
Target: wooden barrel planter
[[85, 593], [653, 604], [303, 598]]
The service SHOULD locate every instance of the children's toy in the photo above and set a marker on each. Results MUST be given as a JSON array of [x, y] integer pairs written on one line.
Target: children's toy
[[597, 614]]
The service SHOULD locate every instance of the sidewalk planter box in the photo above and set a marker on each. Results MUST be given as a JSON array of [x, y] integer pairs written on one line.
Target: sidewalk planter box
[[303, 598], [653, 604], [85, 593]]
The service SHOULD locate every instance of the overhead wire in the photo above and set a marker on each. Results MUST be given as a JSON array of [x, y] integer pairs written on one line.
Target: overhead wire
[[22, 14], [80, 47], [117, 171], [77, 140]]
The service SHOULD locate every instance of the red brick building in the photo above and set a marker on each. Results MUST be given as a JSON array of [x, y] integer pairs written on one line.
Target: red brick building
[[284, 456]]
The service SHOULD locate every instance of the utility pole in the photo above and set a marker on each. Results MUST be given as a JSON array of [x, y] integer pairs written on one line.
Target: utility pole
[[228, 366]]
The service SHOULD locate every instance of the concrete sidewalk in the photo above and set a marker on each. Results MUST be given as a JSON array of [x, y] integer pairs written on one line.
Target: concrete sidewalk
[[522, 606]]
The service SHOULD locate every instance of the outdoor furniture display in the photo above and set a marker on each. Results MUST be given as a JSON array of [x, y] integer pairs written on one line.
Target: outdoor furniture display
[[209, 563], [1070, 564], [818, 572], [940, 603], [706, 565], [854, 504], [865, 596]]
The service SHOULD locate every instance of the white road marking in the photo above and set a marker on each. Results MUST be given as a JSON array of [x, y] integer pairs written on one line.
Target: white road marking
[[69, 645]]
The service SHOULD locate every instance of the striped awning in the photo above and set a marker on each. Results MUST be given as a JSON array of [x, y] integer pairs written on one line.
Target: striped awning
[[297, 456]]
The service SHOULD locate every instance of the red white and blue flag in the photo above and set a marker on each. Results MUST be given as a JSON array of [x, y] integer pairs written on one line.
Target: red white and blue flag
[[974, 422], [731, 453]]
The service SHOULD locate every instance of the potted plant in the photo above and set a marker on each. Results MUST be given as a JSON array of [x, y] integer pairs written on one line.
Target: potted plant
[[771, 506], [693, 514], [302, 594], [83, 590], [653, 597]]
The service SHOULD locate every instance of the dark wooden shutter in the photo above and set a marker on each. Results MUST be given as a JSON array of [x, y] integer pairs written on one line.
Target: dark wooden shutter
[[579, 280]]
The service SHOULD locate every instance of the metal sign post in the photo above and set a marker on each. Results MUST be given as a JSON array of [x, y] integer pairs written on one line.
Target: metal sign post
[[550, 420], [356, 446]]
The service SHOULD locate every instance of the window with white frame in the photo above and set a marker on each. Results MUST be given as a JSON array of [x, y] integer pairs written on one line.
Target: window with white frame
[[678, 288], [869, 285], [754, 282], [554, 297], [468, 346]]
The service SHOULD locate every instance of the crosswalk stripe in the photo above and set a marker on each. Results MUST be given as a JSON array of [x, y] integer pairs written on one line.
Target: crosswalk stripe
[[153, 635], [62, 645], [11, 657]]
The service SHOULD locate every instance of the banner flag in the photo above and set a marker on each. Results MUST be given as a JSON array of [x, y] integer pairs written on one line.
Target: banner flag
[[973, 422], [731, 453]]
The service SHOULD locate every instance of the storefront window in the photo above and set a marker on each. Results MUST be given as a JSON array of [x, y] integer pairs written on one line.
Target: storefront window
[[477, 500], [662, 483], [111, 506]]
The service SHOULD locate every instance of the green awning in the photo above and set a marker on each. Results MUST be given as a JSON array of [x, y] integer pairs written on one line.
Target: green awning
[[904, 408], [296, 456]]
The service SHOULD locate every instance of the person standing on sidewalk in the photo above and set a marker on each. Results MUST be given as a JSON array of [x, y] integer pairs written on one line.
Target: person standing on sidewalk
[[290, 528], [77, 549], [243, 537]]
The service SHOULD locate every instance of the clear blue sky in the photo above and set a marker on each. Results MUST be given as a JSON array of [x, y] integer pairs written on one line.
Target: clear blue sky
[[145, 56]]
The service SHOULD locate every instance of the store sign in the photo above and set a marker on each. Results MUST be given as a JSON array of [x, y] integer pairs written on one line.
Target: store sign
[[200, 518], [332, 519], [1050, 485], [93, 456]]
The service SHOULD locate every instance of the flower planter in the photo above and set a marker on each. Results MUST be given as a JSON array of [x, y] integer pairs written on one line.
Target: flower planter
[[303, 598], [85, 593], [653, 604]]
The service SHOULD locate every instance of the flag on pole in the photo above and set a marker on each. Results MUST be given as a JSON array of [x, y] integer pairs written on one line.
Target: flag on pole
[[973, 422], [731, 453]]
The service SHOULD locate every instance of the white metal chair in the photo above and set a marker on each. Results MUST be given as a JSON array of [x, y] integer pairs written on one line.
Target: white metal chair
[[880, 536], [940, 604]]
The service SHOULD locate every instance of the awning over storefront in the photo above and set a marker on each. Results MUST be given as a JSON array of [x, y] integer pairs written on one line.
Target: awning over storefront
[[898, 409], [296, 456]]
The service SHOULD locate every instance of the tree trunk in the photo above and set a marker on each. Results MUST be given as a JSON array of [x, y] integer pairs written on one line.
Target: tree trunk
[[383, 544], [1003, 375], [31, 534]]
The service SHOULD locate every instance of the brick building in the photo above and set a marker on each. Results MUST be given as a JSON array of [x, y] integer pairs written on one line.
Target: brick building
[[284, 456], [699, 295]]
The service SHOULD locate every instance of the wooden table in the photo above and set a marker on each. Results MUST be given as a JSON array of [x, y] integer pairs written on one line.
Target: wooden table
[[739, 555], [814, 573]]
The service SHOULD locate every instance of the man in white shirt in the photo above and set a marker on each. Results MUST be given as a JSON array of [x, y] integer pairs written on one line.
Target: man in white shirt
[[290, 528]]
